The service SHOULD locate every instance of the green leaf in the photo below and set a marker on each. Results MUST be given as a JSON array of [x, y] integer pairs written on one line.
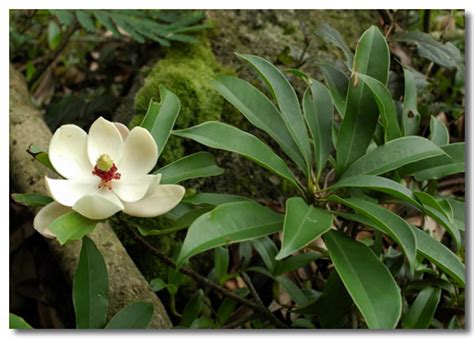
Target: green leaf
[[229, 223], [201, 164], [161, 116], [449, 163], [104, 19], [318, 110], [90, 288], [64, 16], [441, 256], [388, 113], [41, 156], [410, 116], [207, 198], [378, 183], [435, 210], [158, 284], [296, 262], [391, 224], [303, 224], [228, 306], [439, 133], [431, 49], [392, 155], [293, 291], [85, 20], [287, 101], [267, 250], [71, 226], [226, 137], [328, 33], [372, 58], [422, 311], [337, 82], [193, 308], [54, 35], [261, 112], [367, 280], [32, 200], [221, 263], [134, 316], [18, 323], [459, 210]]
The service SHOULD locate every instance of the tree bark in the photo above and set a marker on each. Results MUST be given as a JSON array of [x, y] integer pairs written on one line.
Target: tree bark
[[126, 283]]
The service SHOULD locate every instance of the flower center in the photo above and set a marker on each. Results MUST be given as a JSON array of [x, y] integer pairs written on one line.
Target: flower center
[[106, 169]]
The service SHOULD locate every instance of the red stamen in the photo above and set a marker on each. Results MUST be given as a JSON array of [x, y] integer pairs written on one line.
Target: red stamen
[[107, 176]]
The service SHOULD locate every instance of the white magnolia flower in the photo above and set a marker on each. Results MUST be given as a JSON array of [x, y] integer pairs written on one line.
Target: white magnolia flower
[[105, 171]]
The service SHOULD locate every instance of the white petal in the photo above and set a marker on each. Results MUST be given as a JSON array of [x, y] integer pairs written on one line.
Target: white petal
[[68, 192], [132, 189], [123, 129], [104, 138], [140, 153], [164, 198], [46, 216], [68, 152], [98, 206]]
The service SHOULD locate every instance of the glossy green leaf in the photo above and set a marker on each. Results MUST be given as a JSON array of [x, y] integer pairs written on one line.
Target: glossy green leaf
[[318, 110], [158, 284], [192, 309], [459, 210], [410, 115], [392, 155], [41, 156], [439, 134], [134, 316], [441, 256], [201, 164], [207, 198], [226, 137], [287, 101], [303, 224], [378, 183], [296, 262], [229, 223], [328, 33], [17, 323], [261, 112], [435, 210], [367, 280], [221, 262], [267, 250], [337, 82], [422, 311], [71, 226], [439, 166], [32, 200], [388, 113], [293, 291], [181, 223], [161, 116], [372, 58], [392, 224], [90, 288]]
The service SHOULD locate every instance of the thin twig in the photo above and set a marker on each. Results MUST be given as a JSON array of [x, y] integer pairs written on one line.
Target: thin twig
[[203, 280], [277, 322], [64, 42], [241, 321]]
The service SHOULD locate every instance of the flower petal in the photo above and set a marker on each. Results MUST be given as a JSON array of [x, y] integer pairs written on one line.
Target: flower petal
[[98, 206], [123, 129], [68, 192], [46, 216], [164, 198], [132, 189], [104, 138], [68, 152], [140, 153]]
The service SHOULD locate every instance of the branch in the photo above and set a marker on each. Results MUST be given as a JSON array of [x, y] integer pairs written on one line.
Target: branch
[[206, 282]]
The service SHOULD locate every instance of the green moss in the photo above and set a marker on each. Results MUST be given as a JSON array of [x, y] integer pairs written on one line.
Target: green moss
[[186, 70]]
